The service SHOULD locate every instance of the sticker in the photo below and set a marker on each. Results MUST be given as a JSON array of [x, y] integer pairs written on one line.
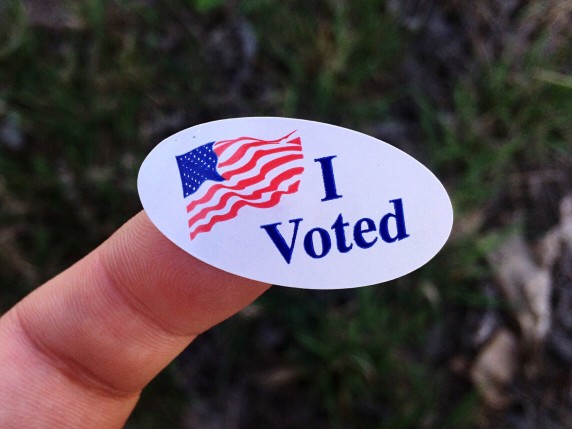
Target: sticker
[[295, 203]]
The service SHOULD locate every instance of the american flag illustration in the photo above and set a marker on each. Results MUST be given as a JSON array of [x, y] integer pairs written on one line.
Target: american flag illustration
[[220, 178]]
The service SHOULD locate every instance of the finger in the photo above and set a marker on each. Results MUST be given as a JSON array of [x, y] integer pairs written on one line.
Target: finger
[[81, 347]]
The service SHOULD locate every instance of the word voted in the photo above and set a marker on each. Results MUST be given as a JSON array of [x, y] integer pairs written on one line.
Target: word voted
[[318, 241]]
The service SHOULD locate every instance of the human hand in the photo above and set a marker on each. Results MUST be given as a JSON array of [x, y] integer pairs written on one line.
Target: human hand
[[77, 351]]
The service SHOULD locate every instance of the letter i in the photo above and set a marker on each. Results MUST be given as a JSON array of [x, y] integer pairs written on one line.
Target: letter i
[[328, 175]]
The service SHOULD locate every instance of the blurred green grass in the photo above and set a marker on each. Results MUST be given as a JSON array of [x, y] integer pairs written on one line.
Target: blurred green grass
[[87, 90]]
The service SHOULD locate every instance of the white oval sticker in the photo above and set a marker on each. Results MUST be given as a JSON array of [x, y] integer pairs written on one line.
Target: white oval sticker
[[295, 203]]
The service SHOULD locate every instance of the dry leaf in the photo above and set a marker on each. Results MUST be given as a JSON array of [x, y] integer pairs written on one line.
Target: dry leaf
[[495, 367]]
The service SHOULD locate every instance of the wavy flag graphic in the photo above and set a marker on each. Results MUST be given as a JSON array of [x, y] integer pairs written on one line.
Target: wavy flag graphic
[[220, 178]]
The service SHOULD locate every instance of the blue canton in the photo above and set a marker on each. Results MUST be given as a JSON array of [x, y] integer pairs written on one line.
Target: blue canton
[[198, 166]]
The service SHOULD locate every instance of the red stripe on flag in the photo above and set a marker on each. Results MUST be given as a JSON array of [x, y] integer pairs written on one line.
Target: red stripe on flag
[[244, 148], [245, 182], [240, 153], [274, 199], [223, 145], [256, 156], [254, 195]]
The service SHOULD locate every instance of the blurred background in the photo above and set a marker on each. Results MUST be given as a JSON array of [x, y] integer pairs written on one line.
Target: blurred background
[[480, 92]]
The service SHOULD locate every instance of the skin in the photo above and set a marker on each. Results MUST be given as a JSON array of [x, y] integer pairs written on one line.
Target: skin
[[77, 351]]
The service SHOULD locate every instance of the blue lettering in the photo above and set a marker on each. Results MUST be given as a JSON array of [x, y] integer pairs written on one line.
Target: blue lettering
[[338, 227], [318, 242], [359, 231], [279, 241], [399, 223], [328, 175], [309, 243]]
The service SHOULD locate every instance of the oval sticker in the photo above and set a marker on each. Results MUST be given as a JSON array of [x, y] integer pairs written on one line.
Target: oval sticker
[[295, 203]]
